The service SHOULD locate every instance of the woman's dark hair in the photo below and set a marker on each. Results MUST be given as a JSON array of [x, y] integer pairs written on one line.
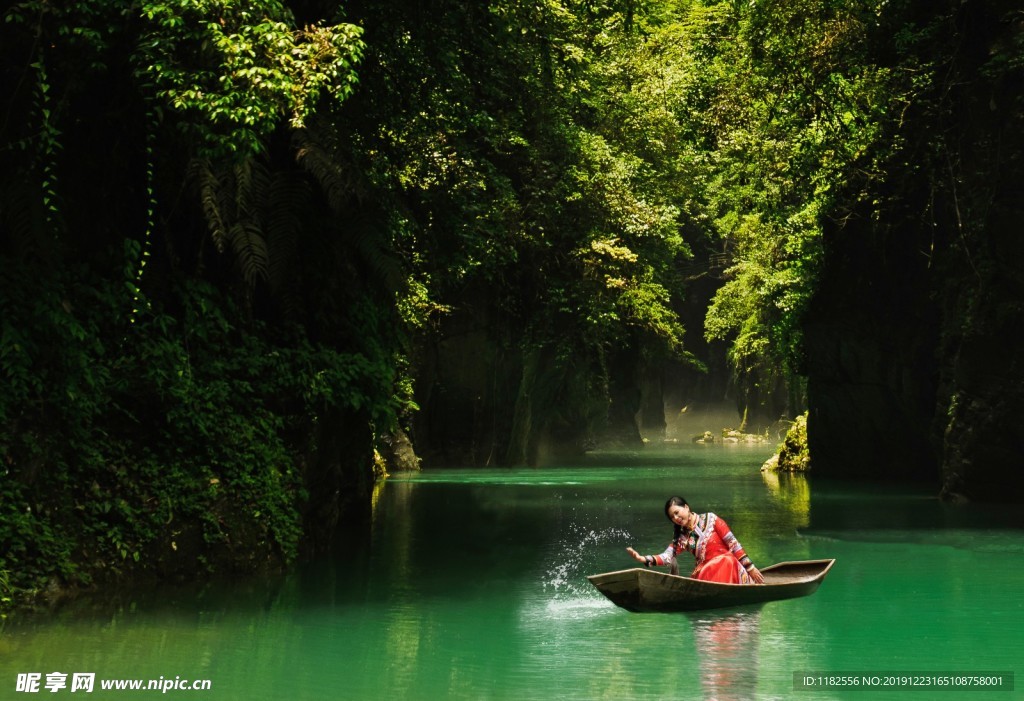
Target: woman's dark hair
[[675, 501]]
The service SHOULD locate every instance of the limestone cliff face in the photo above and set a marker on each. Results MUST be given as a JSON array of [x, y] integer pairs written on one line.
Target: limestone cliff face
[[982, 381], [916, 337]]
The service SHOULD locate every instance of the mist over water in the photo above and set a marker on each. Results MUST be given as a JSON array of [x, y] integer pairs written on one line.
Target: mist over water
[[685, 424]]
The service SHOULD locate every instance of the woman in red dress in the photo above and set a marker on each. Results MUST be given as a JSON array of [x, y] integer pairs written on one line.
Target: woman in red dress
[[719, 556]]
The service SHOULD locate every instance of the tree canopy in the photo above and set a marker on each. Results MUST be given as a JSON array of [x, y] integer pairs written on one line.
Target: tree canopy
[[238, 236]]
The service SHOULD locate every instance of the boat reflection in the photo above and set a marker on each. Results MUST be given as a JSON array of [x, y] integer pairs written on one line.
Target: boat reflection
[[727, 653]]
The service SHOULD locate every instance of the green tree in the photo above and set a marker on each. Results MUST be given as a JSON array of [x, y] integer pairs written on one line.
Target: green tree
[[795, 114], [161, 395]]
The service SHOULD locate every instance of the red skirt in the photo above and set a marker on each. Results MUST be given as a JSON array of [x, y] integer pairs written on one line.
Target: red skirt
[[724, 568]]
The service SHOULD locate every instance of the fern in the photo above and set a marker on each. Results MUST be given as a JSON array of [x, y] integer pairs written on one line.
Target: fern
[[250, 250], [288, 198], [209, 196], [366, 231], [259, 216], [318, 153], [231, 203], [252, 184], [365, 237]]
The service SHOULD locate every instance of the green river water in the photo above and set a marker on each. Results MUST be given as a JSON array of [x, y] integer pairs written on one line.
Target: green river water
[[472, 585]]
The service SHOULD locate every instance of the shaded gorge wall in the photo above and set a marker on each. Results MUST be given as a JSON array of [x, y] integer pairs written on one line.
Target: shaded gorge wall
[[912, 343]]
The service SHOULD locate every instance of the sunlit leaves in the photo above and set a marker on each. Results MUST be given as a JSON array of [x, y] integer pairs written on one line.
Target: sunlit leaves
[[798, 111], [234, 69]]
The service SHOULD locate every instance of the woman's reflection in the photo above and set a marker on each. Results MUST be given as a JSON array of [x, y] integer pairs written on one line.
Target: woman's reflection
[[727, 645]]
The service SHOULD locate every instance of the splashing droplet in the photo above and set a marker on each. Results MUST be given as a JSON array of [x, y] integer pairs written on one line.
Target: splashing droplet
[[577, 555]]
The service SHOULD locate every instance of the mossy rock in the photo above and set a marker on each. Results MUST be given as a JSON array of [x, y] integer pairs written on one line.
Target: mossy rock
[[793, 455]]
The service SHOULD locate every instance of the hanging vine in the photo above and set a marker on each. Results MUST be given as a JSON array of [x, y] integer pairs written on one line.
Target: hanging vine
[[136, 254], [48, 147]]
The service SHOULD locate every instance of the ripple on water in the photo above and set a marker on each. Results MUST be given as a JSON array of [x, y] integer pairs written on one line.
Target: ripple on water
[[576, 609]]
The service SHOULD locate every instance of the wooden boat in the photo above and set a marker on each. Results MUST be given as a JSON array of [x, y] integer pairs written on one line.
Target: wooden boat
[[645, 590]]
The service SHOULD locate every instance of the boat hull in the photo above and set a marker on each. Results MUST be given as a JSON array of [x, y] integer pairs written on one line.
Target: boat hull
[[646, 591]]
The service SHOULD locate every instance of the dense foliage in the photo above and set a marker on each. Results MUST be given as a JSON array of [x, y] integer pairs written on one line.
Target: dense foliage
[[241, 237], [159, 413]]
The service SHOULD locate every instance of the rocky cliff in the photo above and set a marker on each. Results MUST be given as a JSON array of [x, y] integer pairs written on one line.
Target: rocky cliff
[[914, 341]]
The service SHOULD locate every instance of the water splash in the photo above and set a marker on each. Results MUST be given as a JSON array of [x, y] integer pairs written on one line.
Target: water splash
[[577, 609], [582, 553]]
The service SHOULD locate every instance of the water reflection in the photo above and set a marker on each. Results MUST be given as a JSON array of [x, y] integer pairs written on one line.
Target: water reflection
[[793, 492], [727, 653], [477, 589]]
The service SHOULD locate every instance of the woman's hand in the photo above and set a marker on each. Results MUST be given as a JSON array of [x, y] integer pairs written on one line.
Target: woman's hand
[[636, 556], [755, 574]]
